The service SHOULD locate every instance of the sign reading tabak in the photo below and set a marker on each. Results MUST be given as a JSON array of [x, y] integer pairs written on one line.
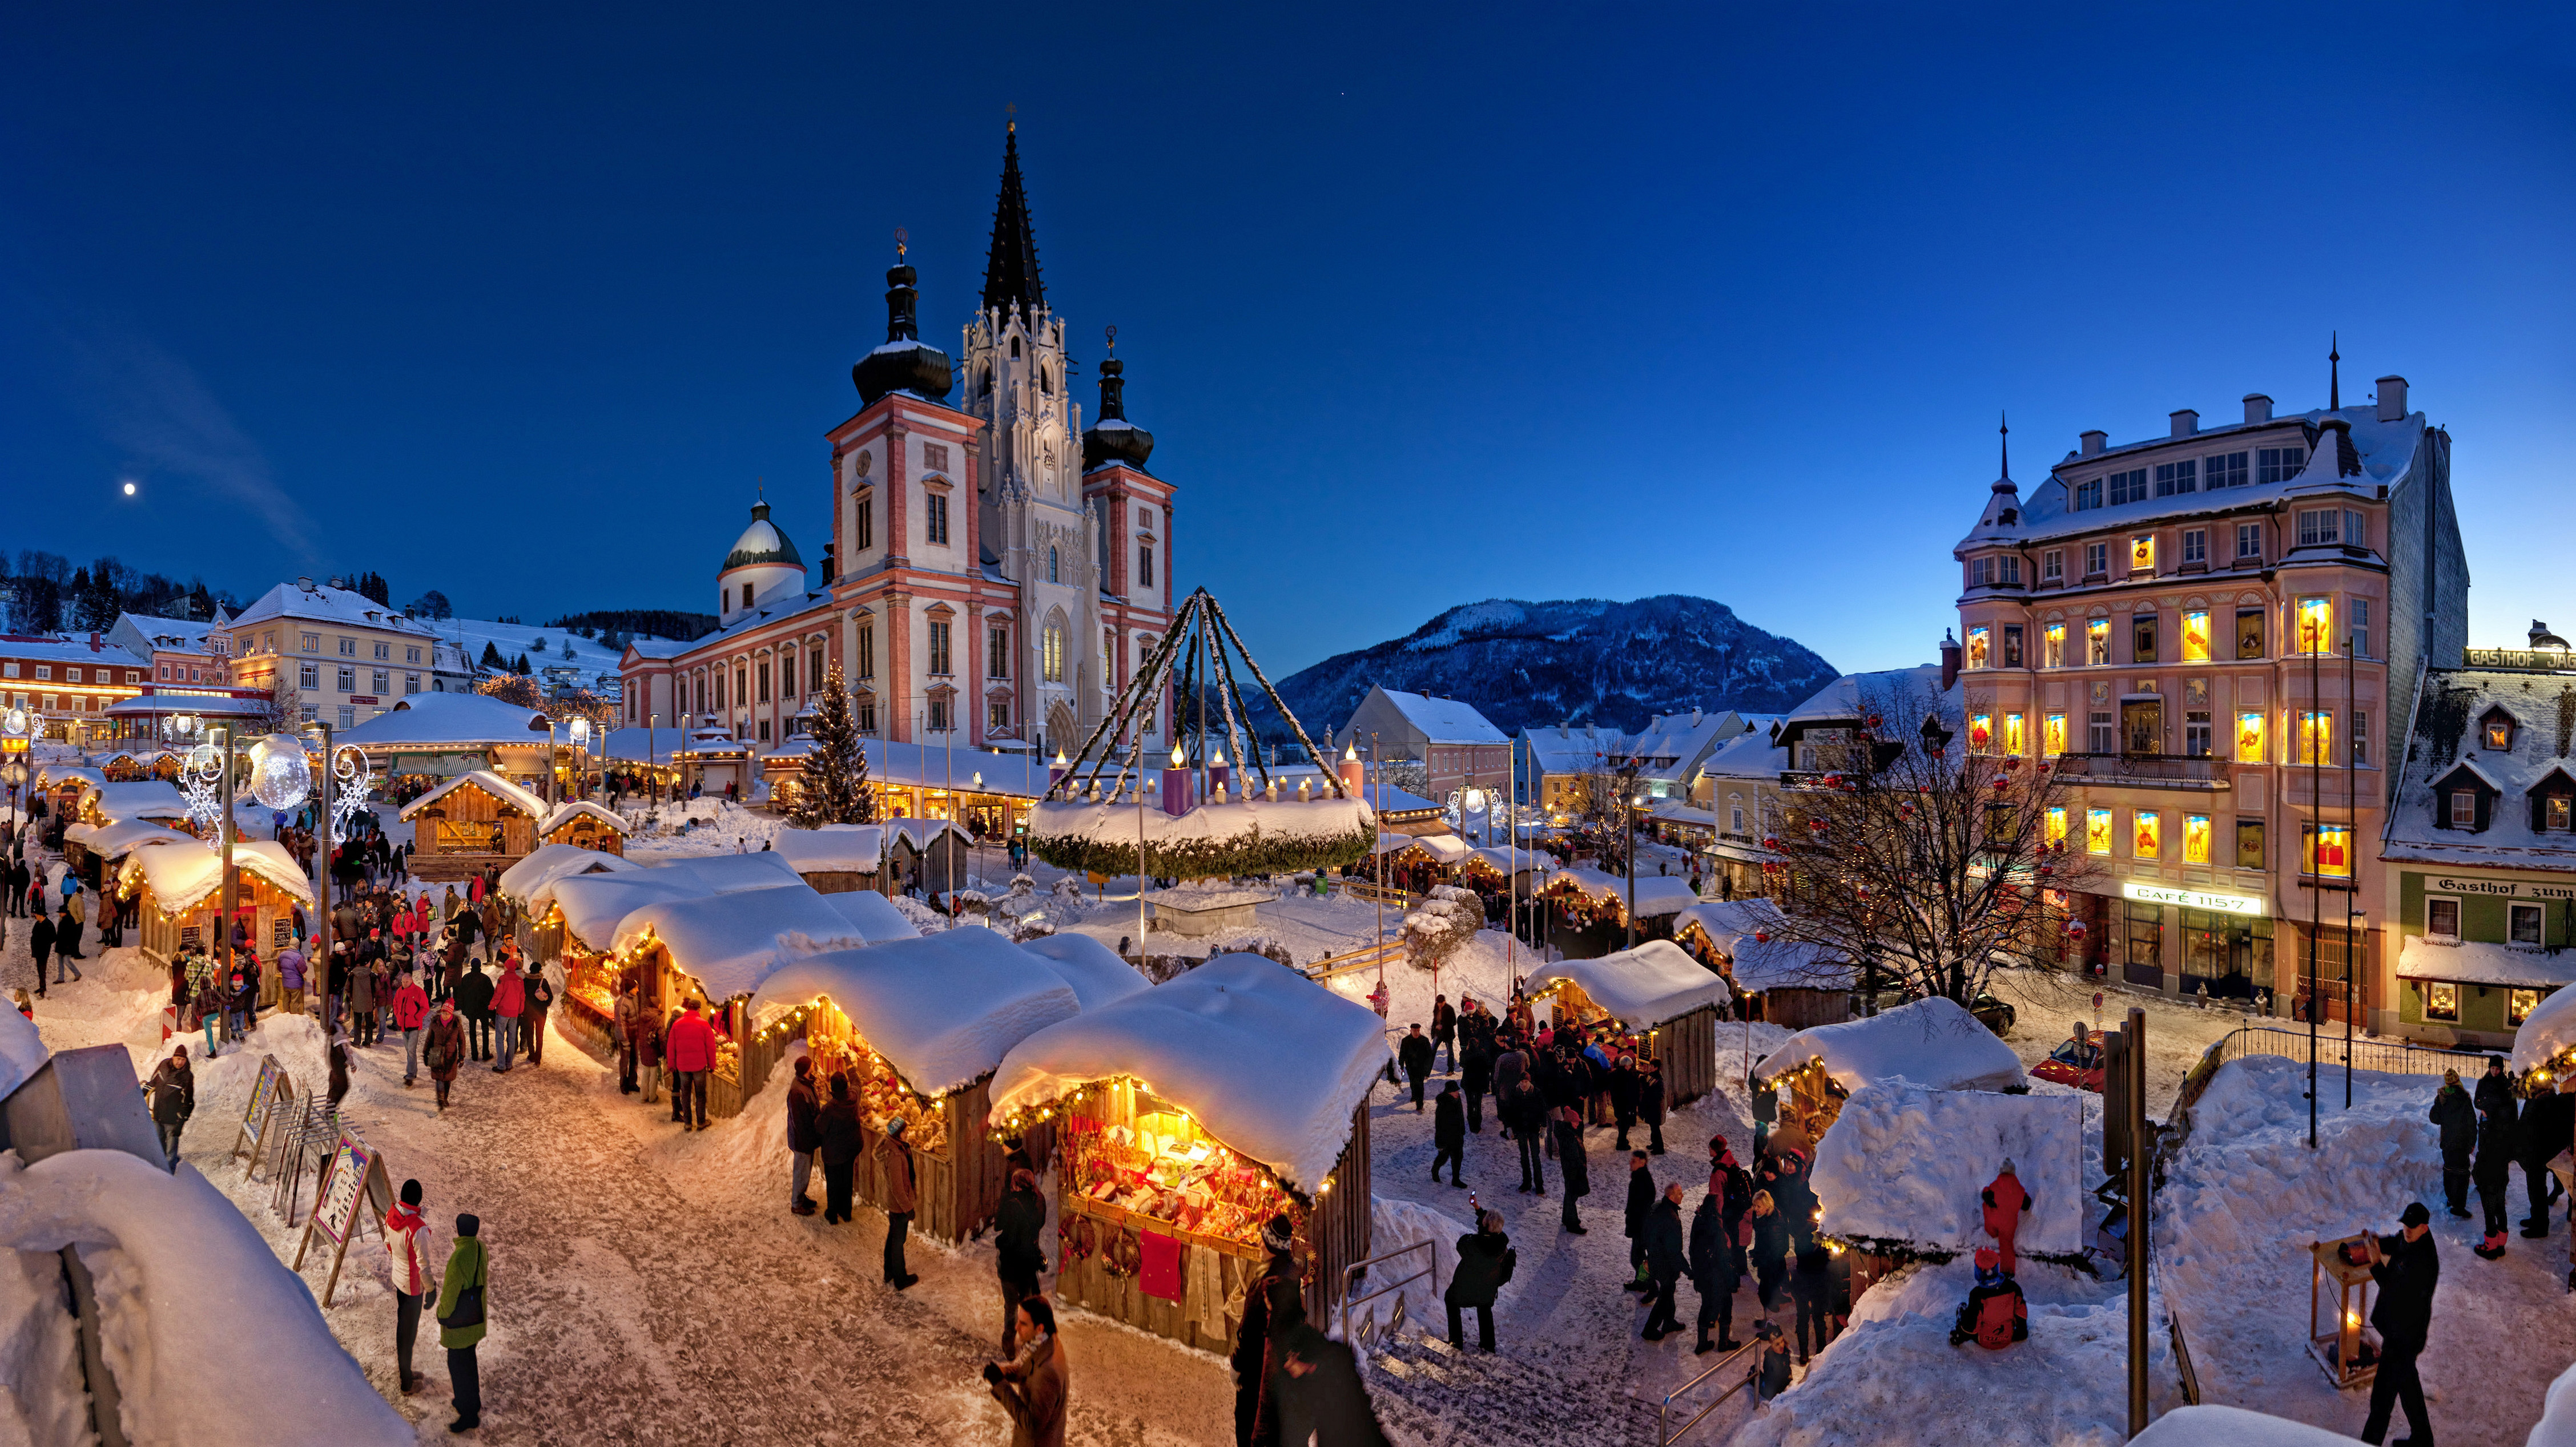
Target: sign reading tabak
[[2196, 899]]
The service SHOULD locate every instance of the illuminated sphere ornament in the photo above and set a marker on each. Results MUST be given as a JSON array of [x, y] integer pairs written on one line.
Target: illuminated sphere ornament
[[280, 776], [129, 489], [14, 723], [581, 733]]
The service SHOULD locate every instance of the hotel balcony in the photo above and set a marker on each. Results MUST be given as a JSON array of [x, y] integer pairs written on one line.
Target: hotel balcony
[[2151, 771]]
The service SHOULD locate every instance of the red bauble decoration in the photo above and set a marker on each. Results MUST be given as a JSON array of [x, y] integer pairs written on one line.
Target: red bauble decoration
[[1762, 937], [1873, 720], [1770, 841], [2075, 928]]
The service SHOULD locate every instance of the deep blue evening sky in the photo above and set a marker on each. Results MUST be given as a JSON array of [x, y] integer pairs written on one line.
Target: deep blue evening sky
[[516, 302]]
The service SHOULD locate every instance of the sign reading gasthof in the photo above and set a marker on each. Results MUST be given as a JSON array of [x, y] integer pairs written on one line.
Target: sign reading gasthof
[[2196, 899], [2498, 888]]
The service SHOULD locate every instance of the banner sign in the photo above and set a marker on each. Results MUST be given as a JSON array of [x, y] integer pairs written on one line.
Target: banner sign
[[2498, 888], [344, 1191], [2250, 904]]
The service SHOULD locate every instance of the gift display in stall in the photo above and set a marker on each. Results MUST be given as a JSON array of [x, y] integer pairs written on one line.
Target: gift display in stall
[[1163, 1169]]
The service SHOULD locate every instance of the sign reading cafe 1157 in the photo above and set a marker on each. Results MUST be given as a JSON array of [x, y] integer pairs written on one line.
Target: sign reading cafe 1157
[[2196, 899]]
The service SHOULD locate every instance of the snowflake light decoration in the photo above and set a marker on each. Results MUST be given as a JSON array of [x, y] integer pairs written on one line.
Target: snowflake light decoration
[[201, 783], [350, 783]]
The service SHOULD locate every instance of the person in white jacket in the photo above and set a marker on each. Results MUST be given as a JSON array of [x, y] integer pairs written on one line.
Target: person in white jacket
[[414, 1269]]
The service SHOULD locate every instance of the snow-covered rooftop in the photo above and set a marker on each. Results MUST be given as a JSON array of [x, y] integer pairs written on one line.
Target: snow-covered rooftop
[[1748, 756], [1095, 972], [594, 905], [731, 943], [65, 650], [143, 799], [547, 863], [1444, 720], [490, 783], [1843, 698], [2547, 1032], [325, 604], [1445, 848], [872, 915], [1931, 1042], [22, 1052], [1904, 1164], [579, 809], [641, 746], [447, 721], [833, 849], [1662, 894], [1272, 1063], [2448, 734], [942, 1009], [182, 878], [1755, 964], [1651, 985], [115, 841], [2481, 962]]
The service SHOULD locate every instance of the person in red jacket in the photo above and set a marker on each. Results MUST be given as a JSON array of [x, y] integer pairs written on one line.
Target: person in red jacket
[[509, 994], [411, 1012], [690, 1051], [2006, 1203]]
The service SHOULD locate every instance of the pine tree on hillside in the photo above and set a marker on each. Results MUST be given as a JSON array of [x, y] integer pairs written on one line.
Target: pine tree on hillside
[[834, 788], [520, 665], [491, 658]]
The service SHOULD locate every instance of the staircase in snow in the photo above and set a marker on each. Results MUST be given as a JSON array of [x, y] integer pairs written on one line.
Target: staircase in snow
[[1429, 1394]]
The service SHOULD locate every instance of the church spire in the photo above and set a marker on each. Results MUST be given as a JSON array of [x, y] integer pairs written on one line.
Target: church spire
[[2334, 371], [1011, 273]]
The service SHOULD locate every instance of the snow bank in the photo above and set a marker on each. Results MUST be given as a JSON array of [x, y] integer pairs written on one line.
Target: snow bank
[[2557, 1427], [1393, 1226], [835, 848], [1932, 1041], [872, 915], [2547, 1033], [1642, 988], [211, 1339], [181, 879], [22, 1052], [941, 1010], [547, 863], [44, 1397], [730, 943], [1904, 1164], [2214, 1426], [1269, 1061], [1097, 975]]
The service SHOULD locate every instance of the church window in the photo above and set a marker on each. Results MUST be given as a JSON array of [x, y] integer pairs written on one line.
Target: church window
[[1053, 659], [998, 715], [939, 715], [997, 654], [1015, 346], [746, 595], [787, 672], [938, 646], [867, 652], [937, 518], [1145, 565], [863, 527], [1053, 575], [813, 670], [763, 673], [984, 379], [741, 685], [1045, 383]]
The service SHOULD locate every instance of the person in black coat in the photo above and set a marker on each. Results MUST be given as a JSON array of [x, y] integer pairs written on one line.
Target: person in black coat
[[1273, 1305], [2406, 1266], [1524, 1114], [40, 943], [1448, 1133], [1623, 1097], [1475, 1068], [1770, 1248], [1413, 1056], [2498, 1141], [1568, 1126], [1667, 1258], [172, 1092], [1810, 1286], [804, 1137], [1485, 1263], [1650, 1102], [473, 1001], [1444, 1027], [2548, 1129], [1320, 1393], [1641, 1205], [2495, 1084], [837, 1125], [1018, 1222], [2458, 1117], [1715, 1271]]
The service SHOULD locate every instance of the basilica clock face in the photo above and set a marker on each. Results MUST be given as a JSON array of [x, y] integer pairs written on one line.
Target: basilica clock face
[[866, 463]]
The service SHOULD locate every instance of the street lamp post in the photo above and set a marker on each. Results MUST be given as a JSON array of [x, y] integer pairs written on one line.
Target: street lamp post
[[322, 845]]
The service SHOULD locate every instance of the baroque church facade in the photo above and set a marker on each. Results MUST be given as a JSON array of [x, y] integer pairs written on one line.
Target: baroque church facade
[[995, 571]]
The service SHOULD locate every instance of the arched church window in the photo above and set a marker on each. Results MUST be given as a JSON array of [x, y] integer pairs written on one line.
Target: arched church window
[[1052, 654], [1045, 383], [1015, 346], [984, 380], [1052, 575]]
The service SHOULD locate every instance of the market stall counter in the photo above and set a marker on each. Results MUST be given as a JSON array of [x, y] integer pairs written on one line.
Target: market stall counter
[[1187, 1115]]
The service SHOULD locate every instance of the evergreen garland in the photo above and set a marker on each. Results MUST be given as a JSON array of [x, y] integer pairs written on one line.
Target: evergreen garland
[[833, 786], [1250, 852]]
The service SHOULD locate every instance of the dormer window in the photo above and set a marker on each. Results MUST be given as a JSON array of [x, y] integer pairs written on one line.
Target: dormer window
[[2495, 730], [2464, 808]]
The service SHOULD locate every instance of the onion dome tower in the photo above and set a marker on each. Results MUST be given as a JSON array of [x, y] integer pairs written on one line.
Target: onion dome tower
[[1112, 438], [763, 562], [905, 363]]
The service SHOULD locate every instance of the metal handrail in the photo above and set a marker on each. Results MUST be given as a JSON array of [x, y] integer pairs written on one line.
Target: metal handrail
[[1351, 1276], [1663, 1413], [2393, 1057]]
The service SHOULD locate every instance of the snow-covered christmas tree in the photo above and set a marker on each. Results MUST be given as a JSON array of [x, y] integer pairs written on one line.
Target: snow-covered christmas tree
[[834, 788]]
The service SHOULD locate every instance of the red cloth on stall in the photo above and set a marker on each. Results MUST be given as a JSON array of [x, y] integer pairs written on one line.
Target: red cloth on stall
[[1158, 1271]]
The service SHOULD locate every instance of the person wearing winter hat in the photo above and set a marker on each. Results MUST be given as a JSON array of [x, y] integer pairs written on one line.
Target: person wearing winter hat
[[2406, 1266], [407, 1242], [894, 1161], [460, 1320], [2499, 1137], [1274, 1302], [1018, 1222], [172, 1092]]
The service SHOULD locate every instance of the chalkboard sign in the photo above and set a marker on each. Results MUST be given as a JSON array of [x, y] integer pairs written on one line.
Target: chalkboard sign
[[281, 934], [189, 938], [259, 1094], [344, 1190]]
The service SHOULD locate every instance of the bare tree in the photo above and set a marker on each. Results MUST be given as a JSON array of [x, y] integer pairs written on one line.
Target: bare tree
[[1928, 857]]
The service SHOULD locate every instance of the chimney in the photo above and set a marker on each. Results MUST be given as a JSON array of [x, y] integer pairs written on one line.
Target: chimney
[[2093, 442], [305, 583], [1949, 660], [2392, 399], [2258, 408], [2185, 423]]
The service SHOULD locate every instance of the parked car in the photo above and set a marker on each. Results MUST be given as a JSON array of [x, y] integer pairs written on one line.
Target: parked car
[[2068, 1066]]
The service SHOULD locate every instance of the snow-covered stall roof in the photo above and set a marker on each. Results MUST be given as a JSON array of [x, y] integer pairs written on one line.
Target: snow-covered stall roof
[[1590, 881], [547, 863], [1662, 894], [833, 849], [730, 943], [490, 783], [1095, 972], [54, 776], [1904, 1164], [446, 721], [873, 915], [920, 832], [579, 808], [182, 879], [1651, 985], [1505, 861], [2546, 1033], [1734, 929], [594, 905], [142, 799], [2483, 962], [1269, 1061], [1446, 848], [942, 1009], [639, 746], [1933, 1042], [22, 1052], [164, 1249], [114, 841]]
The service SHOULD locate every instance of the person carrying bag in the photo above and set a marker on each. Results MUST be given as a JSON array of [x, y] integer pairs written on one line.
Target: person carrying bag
[[460, 1319]]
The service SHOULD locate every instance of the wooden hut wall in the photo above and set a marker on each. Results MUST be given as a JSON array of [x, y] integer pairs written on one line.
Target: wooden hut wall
[[838, 881], [1798, 1008], [1687, 1050], [583, 831], [956, 1189], [1337, 1233], [459, 831]]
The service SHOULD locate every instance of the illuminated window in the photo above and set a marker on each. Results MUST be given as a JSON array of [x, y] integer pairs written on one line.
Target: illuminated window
[[1053, 652], [2316, 737], [2441, 1000], [2195, 839], [2142, 553], [2053, 735], [2315, 626], [2249, 737], [2249, 632], [2499, 728], [2097, 641], [2519, 1006], [2555, 812], [2147, 839], [2056, 824], [2097, 831], [2249, 844], [1976, 648], [2012, 733], [2326, 850], [2053, 646], [1981, 732], [2195, 637]]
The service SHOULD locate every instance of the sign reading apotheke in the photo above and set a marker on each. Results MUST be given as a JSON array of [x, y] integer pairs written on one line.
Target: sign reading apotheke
[[2196, 899], [2498, 888]]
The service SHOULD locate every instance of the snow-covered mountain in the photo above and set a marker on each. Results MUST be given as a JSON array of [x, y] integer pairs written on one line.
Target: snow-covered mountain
[[1581, 660]]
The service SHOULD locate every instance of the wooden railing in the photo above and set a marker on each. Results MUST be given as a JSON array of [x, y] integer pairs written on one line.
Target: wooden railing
[[1385, 952]]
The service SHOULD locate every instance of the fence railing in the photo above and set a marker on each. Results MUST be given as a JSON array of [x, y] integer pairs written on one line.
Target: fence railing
[[1352, 1273], [1366, 957], [1665, 1433], [2390, 1057], [2182, 769]]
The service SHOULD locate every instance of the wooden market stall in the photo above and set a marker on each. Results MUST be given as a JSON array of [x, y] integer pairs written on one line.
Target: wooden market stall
[[1931, 1042], [583, 825], [918, 1026], [935, 849], [471, 823], [524, 886], [1655, 991], [1787, 982], [576, 916], [1187, 1115], [181, 889], [837, 858], [64, 784], [92, 850], [119, 803]]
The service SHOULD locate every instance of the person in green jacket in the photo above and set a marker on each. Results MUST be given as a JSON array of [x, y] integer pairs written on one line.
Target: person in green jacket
[[469, 1267]]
